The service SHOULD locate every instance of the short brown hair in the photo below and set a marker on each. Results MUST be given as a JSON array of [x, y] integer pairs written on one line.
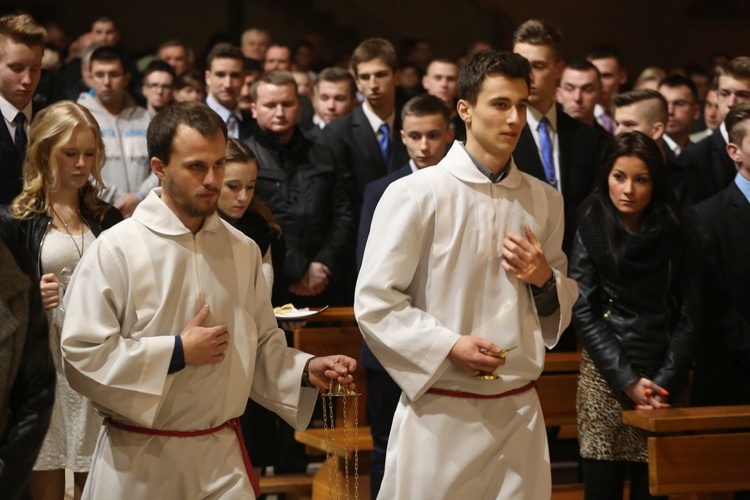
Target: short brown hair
[[739, 68], [225, 51], [335, 75], [660, 110], [737, 122], [426, 104], [163, 127], [22, 29], [275, 77], [482, 65], [540, 32], [374, 48]]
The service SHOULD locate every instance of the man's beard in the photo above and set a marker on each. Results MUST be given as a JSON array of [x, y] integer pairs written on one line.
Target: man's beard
[[186, 201]]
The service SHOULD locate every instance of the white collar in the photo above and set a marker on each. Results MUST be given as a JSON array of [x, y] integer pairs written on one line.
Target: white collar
[[375, 121], [460, 165], [724, 133], [676, 149], [157, 216], [223, 112], [534, 116], [9, 111]]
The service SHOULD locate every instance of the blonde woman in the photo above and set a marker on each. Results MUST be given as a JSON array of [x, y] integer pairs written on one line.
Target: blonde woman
[[57, 217]]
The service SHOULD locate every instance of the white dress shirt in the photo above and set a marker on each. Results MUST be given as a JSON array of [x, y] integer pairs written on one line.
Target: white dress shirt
[[9, 112], [533, 117]]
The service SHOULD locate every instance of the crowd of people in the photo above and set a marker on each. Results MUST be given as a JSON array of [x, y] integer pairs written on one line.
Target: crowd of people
[[464, 206]]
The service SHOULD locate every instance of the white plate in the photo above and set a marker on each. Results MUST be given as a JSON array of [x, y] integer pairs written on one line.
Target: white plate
[[300, 314]]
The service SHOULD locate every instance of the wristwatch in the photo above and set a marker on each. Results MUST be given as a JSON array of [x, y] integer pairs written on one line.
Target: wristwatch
[[546, 287]]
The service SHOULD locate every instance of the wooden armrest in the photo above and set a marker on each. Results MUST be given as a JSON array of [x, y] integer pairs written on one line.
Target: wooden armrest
[[689, 419], [316, 438]]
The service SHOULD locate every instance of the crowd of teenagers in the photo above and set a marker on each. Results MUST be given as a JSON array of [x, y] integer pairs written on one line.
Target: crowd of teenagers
[[154, 214]]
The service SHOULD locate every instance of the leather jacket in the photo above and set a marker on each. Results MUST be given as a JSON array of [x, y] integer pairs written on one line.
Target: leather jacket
[[646, 322], [30, 232], [27, 373]]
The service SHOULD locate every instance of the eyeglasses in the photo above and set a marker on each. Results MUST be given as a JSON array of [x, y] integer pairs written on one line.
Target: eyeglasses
[[158, 86]]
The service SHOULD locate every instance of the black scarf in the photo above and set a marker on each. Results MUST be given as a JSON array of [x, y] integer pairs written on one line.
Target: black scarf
[[641, 252]]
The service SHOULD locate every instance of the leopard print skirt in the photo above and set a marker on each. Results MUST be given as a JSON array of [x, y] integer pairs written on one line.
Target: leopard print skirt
[[601, 433]]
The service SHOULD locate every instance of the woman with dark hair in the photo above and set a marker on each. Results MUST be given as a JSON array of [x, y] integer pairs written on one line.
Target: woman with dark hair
[[189, 87], [636, 312], [56, 217], [239, 206], [265, 434]]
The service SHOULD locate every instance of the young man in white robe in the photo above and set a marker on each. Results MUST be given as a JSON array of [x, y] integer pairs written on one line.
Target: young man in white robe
[[467, 263], [171, 382]]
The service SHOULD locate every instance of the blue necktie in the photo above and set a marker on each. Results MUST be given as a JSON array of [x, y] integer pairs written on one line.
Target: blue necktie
[[20, 138], [547, 159], [385, 142]]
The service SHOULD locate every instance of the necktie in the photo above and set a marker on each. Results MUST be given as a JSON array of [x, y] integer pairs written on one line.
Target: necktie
[[20, 138], [233, 126], [606, 122], [385, 142], [547, 159]]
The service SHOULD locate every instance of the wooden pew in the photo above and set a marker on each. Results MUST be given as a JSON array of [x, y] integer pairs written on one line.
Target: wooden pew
[[711, 455]]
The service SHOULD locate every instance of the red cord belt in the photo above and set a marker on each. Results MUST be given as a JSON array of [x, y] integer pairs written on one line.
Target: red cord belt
[[234, 424], [471, 395]]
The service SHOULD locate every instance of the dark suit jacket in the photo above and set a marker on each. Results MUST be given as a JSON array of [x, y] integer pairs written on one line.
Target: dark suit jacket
[[356, 147], [722, 372], [579, 161], [11, 174], [710, 159], [247, 127], [373, 192], [314, 133]]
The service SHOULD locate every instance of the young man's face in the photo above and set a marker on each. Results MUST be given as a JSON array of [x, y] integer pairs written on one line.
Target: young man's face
[[224, 81], [105, 33], [578, 93], [711, 111], [20, 71], [246, 94], [731, 91], [495, 121], [176, 57], [612, 77], [740, 153], [441, 81], [683, 109], [277, 58], [276, 109], [333, 100], [192, 179], [255, 45], [545, 73], [426, 138], [109, 79], [377, 83], [158, 89], [635, 117]]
